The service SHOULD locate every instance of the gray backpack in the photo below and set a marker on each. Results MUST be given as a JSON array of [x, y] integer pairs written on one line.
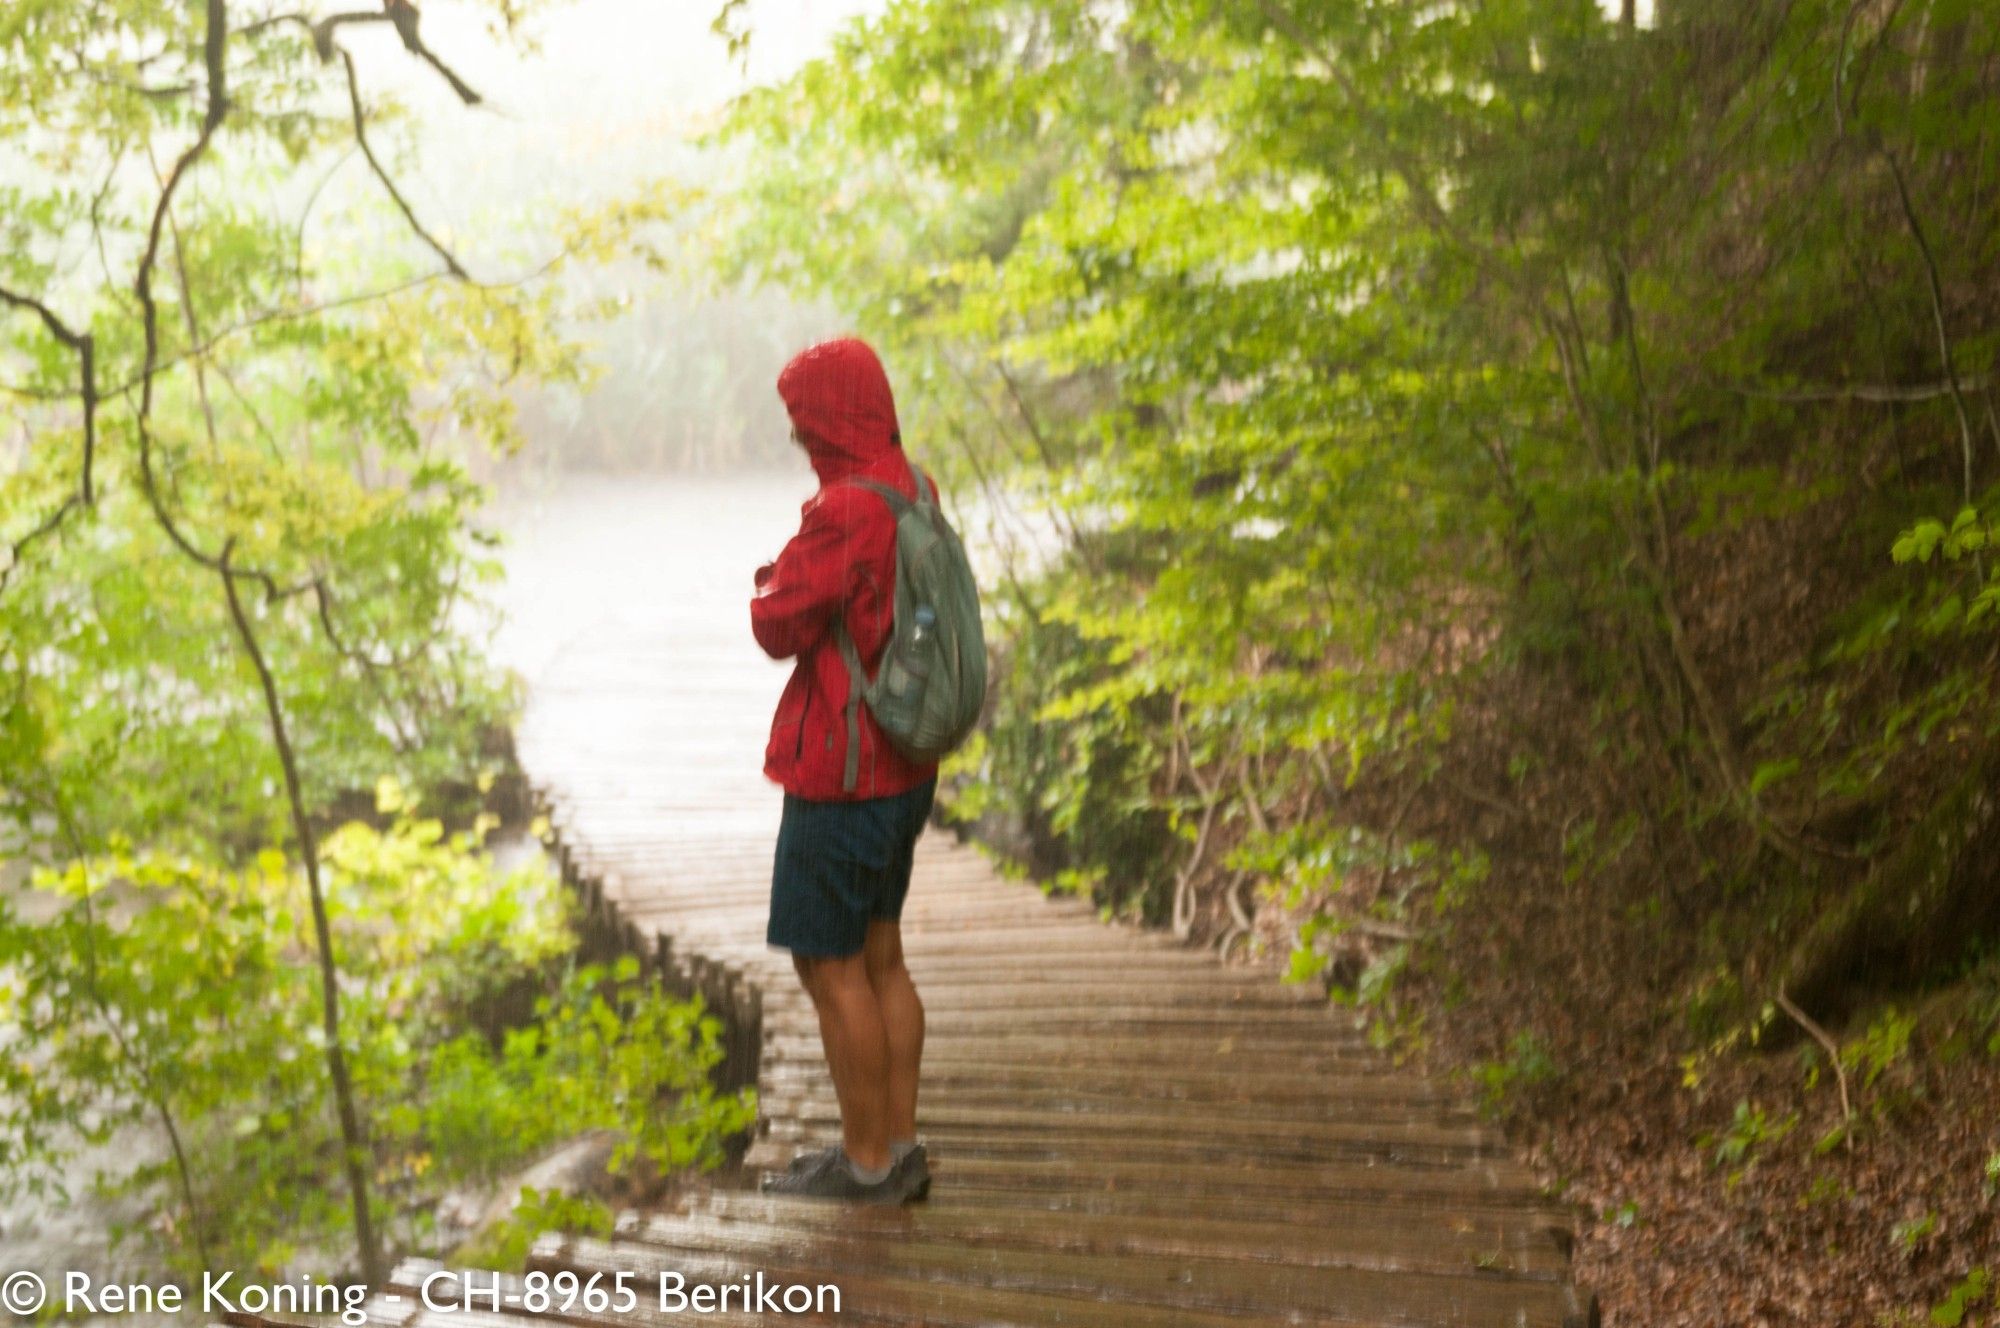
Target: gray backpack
[[931, 685]]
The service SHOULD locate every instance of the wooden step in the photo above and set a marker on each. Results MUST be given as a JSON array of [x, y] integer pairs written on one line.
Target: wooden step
[[1409, 1239], [1173, 1127]]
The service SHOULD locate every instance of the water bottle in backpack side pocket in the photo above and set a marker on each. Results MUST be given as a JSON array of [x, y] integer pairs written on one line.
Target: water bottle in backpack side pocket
[[916, 656]]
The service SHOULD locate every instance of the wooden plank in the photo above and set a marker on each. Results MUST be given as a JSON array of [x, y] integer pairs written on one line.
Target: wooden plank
[[1402, 1239], [1170, 1126]]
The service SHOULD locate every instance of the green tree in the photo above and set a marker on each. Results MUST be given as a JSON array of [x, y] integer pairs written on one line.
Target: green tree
[[238, 521], [1391, 369]]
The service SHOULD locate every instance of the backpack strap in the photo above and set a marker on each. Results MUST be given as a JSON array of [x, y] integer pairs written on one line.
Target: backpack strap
[[898, 504], [857, 677], [917, 485]]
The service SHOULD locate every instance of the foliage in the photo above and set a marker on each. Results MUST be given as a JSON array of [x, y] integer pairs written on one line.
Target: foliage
[[1886, 1042], [1626, 1215], [629, 1060], [1385, 369], [506, 1245], [1951, 1311], [161, 992], [1078, 788], [1511, 484], [1528, 1066], [244, 383], [1912, 1232], [1750, 1131]]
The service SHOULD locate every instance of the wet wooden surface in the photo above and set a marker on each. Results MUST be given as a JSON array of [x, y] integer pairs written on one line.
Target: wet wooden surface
[[1122, 1131]]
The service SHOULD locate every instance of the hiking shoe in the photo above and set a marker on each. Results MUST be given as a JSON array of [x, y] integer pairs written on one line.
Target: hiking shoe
[[915, 1167], [826, 1175], [812, 1157]]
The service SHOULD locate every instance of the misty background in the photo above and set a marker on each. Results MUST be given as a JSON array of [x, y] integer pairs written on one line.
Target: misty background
[[611, 101]]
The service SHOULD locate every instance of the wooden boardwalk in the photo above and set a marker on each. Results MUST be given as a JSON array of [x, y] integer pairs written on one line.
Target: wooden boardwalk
[[1123, 1132]]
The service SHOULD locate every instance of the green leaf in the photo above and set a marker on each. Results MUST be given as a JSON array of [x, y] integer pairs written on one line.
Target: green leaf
[[1919, 542], [1772, 772]]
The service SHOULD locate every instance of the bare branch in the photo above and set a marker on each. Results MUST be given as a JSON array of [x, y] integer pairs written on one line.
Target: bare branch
[[269, 316], [1242, 926], [1882, 392], [381, 173], [305, 218], [1937, 314], [36, 393], [85, 347], [287, 315], [50, 319], [405, 16], [47, 525], [146, 1069], [353, 1139], [154, 92], [319, 31], [324, 596], [215, 46], [192, 323], [1820, 1035], [214, 49], [1840, 67]]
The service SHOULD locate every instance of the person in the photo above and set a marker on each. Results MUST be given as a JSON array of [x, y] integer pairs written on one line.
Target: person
[[842, 865]]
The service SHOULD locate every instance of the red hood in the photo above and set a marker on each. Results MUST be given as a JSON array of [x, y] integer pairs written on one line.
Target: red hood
[[839, 399]]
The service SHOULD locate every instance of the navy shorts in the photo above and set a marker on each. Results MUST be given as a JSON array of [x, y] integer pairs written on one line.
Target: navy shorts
[[839, 866]]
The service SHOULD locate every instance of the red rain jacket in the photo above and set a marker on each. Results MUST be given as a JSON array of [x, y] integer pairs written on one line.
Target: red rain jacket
[[842, 561]]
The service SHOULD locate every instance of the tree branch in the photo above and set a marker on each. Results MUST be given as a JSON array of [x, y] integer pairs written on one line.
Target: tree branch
[[360, 119], [1819, 1035], [147, 1071], [405, 16], [354, 1143], [47, 525], [1879, 392], [1937, 315], [402, 14], [323, 596], [267, 316], [85, 347], [214, 50]]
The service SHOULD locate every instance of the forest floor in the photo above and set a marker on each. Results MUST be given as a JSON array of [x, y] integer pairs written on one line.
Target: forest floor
[[1700, 1130], [1684, 1233]]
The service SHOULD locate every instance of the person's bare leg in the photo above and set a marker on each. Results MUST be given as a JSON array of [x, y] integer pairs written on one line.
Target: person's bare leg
[[857, 1052], [902, 1024]]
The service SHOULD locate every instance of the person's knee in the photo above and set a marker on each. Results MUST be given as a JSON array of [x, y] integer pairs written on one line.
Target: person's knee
[[825, 977], [883, 952], [888, 969]]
